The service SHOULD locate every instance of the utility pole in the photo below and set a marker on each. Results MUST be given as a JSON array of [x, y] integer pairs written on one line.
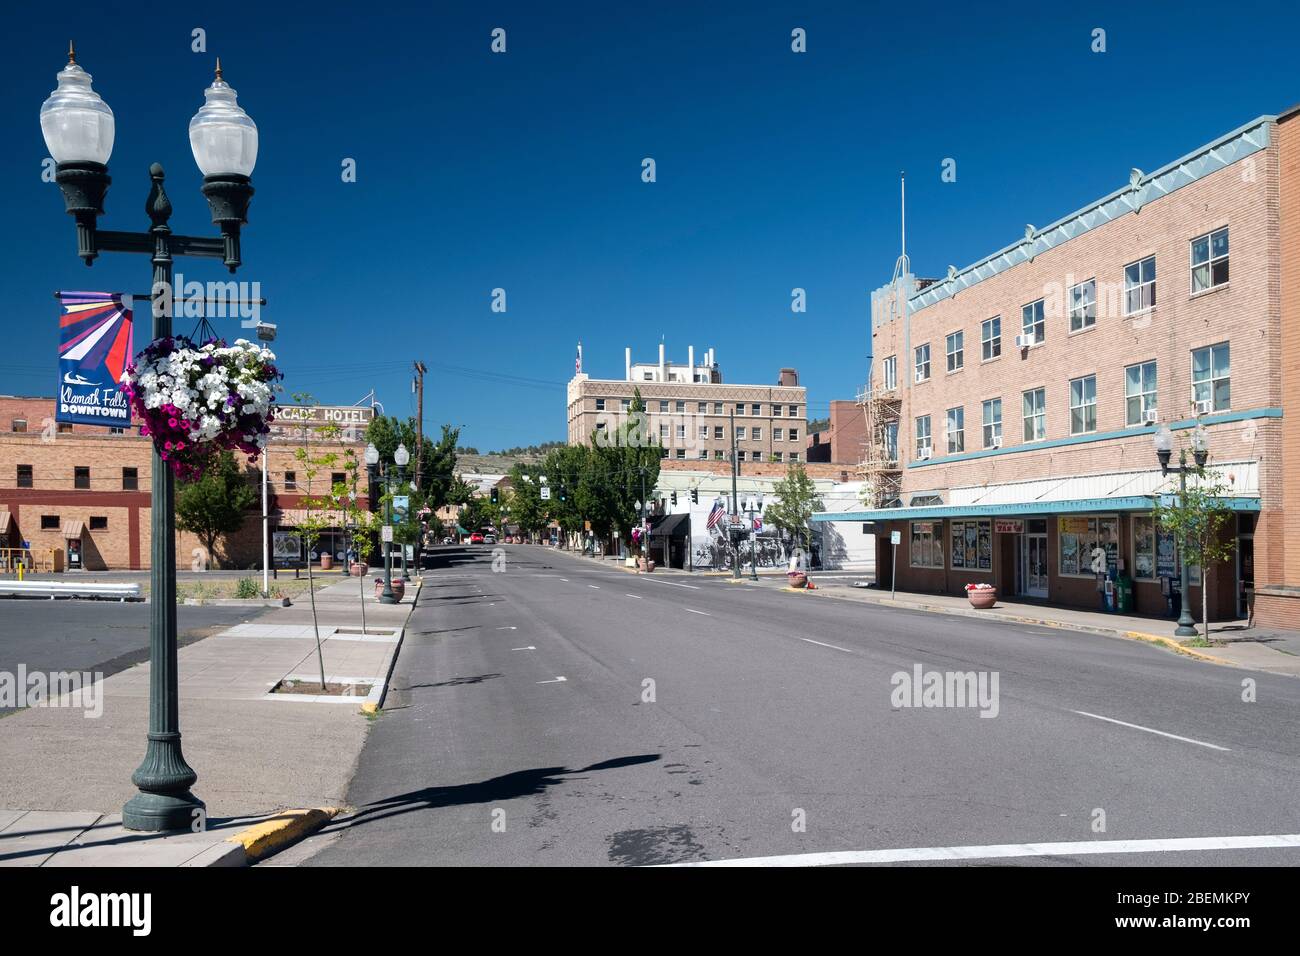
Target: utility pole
[[419, 420], [735, 500]]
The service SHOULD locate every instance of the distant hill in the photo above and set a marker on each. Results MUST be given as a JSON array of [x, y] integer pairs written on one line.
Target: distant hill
[[816, 425]]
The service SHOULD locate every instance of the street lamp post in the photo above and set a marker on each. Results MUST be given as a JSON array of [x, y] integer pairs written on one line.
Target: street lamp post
[[372, 462], [754, 505], [79, 130], [402, 457], [1164, 443]]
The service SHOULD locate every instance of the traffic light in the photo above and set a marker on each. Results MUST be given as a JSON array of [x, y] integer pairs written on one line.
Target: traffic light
[[674, 499], [495, 497], [695, 496], [561, 492]]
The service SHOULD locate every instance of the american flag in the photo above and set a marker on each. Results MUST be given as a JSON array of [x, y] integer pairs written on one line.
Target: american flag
[[577, 362], [715, 515], [758, 522]]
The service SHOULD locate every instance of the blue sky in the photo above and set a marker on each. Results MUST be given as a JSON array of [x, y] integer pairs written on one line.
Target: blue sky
[[522, 171]]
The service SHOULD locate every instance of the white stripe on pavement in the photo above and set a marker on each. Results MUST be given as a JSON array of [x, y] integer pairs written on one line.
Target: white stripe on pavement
[[693, 611], [1151, 730], [557, 680], [596, 586], [637, 596], [820, 644], [673, 584], [1281, 841]]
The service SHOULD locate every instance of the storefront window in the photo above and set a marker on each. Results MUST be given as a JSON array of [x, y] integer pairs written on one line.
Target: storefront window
[[972, 545], [927, 544], [1144, 547], [1078, 537]]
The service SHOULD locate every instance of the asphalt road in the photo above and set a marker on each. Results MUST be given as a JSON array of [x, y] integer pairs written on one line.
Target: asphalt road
[[703, 721], [95, 636]]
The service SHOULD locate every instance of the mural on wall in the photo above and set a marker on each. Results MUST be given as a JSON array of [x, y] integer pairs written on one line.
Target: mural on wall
[[711, 549]]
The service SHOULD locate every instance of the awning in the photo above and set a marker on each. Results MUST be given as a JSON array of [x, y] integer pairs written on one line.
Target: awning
[[667, 525], [72, 530], [1078, 494], [6, 519]]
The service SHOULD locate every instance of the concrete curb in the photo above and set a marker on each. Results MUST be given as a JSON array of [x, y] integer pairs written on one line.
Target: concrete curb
[[238, 602], [270, 836], [373, 706]]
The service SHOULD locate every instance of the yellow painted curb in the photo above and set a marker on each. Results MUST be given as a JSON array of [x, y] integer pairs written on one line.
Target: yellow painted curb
[[369, 707], [286, 827]]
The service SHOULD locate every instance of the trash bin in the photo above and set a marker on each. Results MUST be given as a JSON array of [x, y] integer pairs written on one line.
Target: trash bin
[[1125, 586]]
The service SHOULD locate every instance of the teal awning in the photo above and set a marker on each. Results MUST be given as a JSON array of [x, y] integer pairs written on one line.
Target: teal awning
[[1016, 509]]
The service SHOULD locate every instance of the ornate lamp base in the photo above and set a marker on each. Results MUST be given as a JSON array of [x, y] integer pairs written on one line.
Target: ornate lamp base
[[164, 801]]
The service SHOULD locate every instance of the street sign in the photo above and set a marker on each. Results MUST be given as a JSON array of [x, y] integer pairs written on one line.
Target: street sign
[[401, 506], [387, 533], [895, 537], [546, 493]]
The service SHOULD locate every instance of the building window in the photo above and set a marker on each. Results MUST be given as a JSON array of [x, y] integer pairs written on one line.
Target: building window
[[704, 453], [1139, 393], [702, 408], [740, 432], [755, 409], [681, 432], [955, 347], [681, 453], [777, 433], [922, 362], [717, 408], [1210, 261], [756, 456], [290, 481], [1144, 547], [740, 455], [663, 433], [776, 411], [98, 522], [24, 476], [993, 423], [717, 433], [704, 433], [717, 454], [19, 425], [970, 545], [1211, 381], [926, 548], [1140, 286], [600, 404], [50, 523], [625, 404], [891, 441], [793, 434], [1035, 408], [794, 409], [1033, 324], [63, 428], [740, 408], [923, 437], [777, 456], [648, 376], [888, 373], [991, 338], [130, 479], [955, 426], [681, 406], [663, 406], [116, 430], [81, 477], [794, 456], [1083, 305], [756, 433], [1083, 405], [1078, 537], [338, 478]]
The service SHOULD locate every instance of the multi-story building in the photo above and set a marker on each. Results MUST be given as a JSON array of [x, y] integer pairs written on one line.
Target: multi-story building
[[85, 490], [692, 413], [1012, 405]]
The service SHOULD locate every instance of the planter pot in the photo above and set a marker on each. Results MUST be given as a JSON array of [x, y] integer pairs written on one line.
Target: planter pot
[[358, 569], [399, 587], [645, 565], [797, 580], [326, 562], [982, 599]]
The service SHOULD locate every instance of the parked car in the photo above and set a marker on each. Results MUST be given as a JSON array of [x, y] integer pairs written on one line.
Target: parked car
[[489, 538], [476, 538]]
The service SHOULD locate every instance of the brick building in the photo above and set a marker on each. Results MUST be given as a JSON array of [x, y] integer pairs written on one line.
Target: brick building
[[844, 438], [693, 413], [1012, 405], [86, 489]]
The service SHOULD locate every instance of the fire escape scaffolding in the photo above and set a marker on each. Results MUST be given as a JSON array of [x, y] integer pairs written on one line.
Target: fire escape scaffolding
[[880, 467]]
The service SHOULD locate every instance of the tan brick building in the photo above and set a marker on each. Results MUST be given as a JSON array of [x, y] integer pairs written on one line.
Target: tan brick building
[[1012, 405], [66, 488], [693, 413]]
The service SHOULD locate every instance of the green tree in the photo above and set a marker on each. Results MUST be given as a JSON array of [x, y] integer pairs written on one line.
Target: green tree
[[527, 509], [216, 504], [626, 467], [1197, 519], [795, 502]]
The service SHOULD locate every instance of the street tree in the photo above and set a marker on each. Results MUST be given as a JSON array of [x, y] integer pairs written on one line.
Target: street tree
[[796, 501], [216, 503], [1197, 519]]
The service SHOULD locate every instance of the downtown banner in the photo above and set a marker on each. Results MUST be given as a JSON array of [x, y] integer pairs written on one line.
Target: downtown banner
[[95, 347]]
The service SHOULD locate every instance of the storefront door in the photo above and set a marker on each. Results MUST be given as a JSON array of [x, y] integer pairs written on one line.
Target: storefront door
[[1033, 565]]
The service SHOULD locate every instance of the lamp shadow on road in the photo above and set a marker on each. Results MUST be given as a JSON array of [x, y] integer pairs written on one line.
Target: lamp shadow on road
[[453, 682], [510, 786]]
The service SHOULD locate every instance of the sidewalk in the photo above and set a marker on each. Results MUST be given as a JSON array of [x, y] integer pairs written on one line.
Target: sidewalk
[[1256, 648], [256, 753]]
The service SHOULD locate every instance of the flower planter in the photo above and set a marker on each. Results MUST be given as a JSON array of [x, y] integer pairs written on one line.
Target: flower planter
[[796, 579], [398, 585], [358, 569], [982, 597], [326, 562], [644, 565]]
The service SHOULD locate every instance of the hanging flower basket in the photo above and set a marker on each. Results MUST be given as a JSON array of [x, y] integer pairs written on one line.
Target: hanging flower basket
[[197, 401]]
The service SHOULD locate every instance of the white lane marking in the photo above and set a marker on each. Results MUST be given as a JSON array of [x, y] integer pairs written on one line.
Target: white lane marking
[[674, 584], [637, 596], [508, 627], [1151, 730], [530, 647], [565, 580], [1282, 841], [596, 586], [556, 681], [820, 644], [693, 611]]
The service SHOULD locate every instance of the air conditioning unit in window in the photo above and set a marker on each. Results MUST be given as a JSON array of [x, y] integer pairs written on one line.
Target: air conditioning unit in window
[[923, 454], [1150, 416], [996, 443], [1204, 407], [1024, 341]]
